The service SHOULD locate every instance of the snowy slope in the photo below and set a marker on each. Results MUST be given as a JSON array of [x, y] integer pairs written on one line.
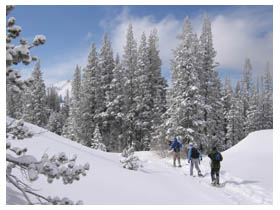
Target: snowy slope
[[156, 183], [62, 87]]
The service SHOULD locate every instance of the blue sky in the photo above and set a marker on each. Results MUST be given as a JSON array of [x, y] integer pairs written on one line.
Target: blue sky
[[239, 32]]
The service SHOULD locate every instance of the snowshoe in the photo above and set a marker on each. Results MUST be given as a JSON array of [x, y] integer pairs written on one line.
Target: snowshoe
[[217, 185]]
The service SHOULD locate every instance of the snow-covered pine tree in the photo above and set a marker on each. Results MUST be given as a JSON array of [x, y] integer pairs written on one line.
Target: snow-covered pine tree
[[236, 121], [267, 103], [71, 128], [158, 88], [158, 82], [128, 160], [184, 111], [97, 141], [16, 157], [115, 109], [56, 122], [13, 104], [106, 64], [246, 90], [143, 97], [88, 97], [52, 99], [227, 100], [254, 114], [217, 128], [34, 99], [208, 79], [129, 63], [65, 106]]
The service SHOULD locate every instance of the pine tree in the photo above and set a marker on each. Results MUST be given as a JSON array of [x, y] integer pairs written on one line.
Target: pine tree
[[143, 97], [236, 121], [52, 98], [115, 109], [34, 99], [129, 63], [182, 116], [129, 160], [159, 83], [106, 65], [56, 122], [246, 92], [268, 99], [88, 97], [227, 100], [97, 141], [13, 104], [71, 129], [254, 115], [65, 107], [208, 81]]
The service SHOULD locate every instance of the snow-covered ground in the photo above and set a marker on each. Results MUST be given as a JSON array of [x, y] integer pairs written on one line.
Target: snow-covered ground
[[246, 175]]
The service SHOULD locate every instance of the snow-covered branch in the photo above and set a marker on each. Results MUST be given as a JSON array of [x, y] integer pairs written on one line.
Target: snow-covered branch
[[56, 167]]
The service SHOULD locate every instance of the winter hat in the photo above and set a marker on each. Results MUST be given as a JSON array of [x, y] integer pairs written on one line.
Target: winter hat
[[214, 148], [191, 144]]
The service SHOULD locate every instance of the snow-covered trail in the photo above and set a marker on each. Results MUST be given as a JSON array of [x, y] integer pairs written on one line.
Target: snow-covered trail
[[158, 182], [234, 188]]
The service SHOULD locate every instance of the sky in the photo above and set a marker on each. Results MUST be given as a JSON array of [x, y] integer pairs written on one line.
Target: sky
[[239, 32]]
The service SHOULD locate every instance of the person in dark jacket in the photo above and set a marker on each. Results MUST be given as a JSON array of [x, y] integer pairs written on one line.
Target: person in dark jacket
[[194, 157], [176, 146], [216, 157]]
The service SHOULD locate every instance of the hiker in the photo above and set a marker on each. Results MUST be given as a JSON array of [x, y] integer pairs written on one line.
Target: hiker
[[193, 157], [216, 157], [176, 145]]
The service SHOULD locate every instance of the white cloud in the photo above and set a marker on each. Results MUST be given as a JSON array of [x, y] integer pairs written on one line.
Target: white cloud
[[236, 38], [237, 34]]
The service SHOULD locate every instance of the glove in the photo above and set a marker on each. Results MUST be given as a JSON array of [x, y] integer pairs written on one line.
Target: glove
[[189, 161], [201, 158]]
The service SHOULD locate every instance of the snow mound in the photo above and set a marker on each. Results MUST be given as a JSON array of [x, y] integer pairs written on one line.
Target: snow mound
[[252, 158]]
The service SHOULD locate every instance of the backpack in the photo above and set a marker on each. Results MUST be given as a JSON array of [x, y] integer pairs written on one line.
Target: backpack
[[194, 153], [176, 147], [217, 157]]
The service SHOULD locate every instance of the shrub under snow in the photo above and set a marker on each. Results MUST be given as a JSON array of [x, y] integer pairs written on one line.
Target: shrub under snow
[[129, 160]]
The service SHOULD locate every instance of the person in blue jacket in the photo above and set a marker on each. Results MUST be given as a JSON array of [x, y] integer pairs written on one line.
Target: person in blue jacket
[[194, 157], [176, 146]]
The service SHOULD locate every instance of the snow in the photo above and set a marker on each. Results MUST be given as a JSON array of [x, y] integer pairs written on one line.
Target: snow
[[246, 175], [39, 39], [11, 21]]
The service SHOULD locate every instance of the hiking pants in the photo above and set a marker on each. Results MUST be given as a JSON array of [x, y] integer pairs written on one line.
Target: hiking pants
[[215, 175], [194, 162], [176, 155]]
